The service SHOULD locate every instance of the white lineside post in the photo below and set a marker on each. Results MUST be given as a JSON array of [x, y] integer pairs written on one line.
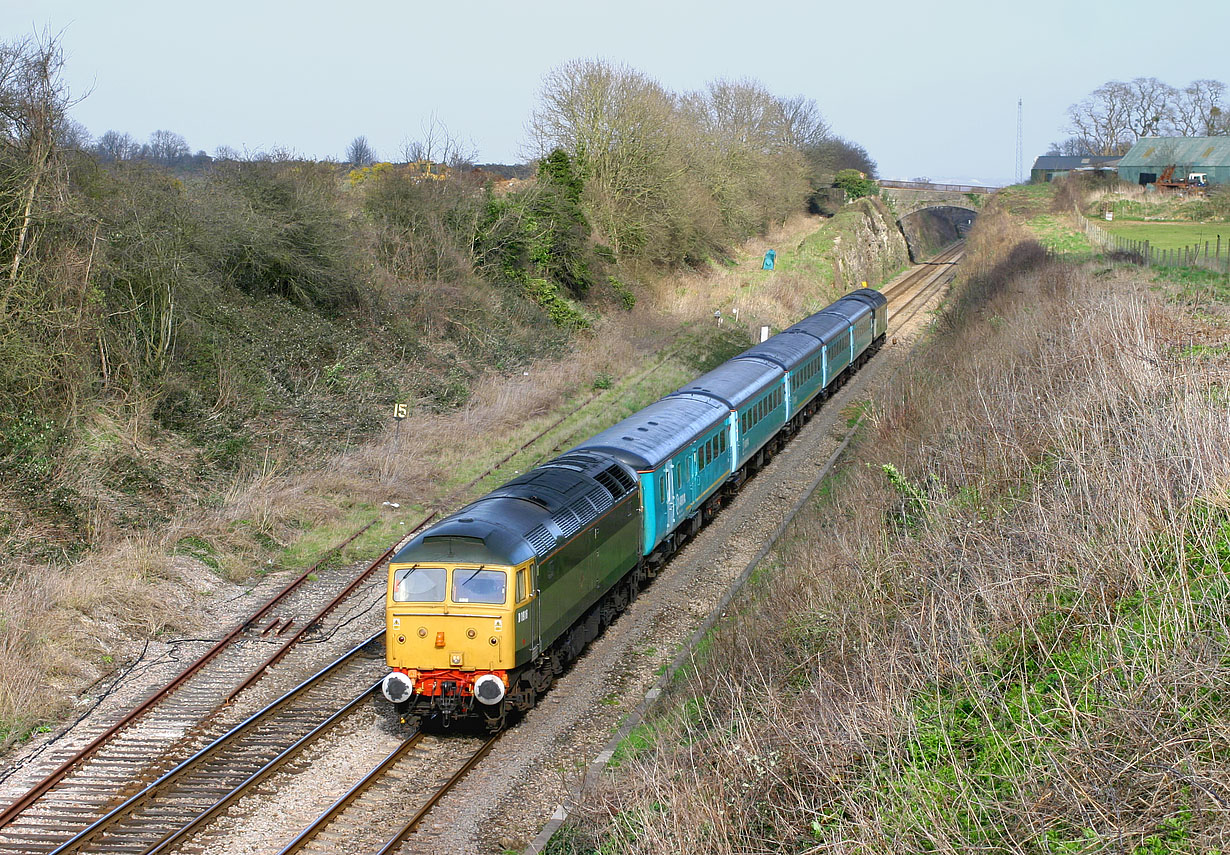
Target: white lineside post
[[764, 333]]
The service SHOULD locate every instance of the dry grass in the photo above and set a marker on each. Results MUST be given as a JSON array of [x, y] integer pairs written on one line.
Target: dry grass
[[1018, 641], [777, 299], [60, 626]]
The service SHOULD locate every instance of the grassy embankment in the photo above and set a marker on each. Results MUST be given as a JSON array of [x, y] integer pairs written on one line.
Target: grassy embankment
[[1006, 626]]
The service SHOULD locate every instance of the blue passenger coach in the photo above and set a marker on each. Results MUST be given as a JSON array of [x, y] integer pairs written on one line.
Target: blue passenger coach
[[801, 356], [664, 443], [754, 391], [688, 445]]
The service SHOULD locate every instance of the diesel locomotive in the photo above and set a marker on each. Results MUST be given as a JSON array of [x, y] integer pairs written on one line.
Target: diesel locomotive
[[487, 607]]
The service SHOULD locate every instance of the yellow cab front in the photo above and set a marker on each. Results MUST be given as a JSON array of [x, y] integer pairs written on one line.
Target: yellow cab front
[[449, 633]]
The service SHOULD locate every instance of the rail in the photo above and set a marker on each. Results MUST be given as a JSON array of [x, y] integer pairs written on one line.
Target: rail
[[209, 768]]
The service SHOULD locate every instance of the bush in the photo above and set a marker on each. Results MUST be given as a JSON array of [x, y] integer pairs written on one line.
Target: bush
[[424, 226], [855, 184], [537, 238], [278, 228]]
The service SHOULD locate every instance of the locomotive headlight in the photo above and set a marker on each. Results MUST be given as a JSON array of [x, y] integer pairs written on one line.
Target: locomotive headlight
[[454, 659], [397, 687], [422, 632], [470, 633], [489, 689]]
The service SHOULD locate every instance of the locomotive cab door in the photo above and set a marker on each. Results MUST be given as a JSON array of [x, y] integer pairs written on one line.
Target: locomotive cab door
[[527, 605]]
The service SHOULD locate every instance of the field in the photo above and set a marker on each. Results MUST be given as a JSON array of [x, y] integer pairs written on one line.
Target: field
[[1170, 235], [1057, 234]]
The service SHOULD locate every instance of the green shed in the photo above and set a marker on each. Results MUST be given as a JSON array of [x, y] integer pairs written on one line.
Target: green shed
[[1145, 161]]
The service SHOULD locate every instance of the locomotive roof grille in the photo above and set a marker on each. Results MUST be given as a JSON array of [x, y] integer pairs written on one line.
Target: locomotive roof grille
[[601, 499], [568, 522], [617, 481], [542, 540]]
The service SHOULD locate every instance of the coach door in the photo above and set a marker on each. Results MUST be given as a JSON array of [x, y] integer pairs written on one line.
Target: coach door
[[669, 474]]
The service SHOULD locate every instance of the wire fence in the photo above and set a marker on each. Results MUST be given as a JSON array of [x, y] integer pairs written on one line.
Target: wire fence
[[1213, 255]]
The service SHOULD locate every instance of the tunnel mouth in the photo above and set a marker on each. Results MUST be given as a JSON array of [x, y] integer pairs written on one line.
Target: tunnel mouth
[[928, 230]]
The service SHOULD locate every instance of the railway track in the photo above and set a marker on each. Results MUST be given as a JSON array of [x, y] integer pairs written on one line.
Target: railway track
[[167, 726], [162, 811], [422, 770], [924, 279], [163, 729], [83, 797]]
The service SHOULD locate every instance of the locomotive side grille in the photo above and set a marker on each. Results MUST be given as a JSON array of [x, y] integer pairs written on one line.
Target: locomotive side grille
[[585, 510], [567, 520], [602, 500], [542, 540]]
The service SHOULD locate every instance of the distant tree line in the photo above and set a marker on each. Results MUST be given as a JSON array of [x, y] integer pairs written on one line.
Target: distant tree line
[[672, 177], [1116, 114]]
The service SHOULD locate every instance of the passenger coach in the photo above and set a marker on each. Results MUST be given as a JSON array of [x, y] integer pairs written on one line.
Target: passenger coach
[[490, 604]]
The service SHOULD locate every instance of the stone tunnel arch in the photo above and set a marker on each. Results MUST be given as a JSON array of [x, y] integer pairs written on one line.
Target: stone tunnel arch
[[929, 229]]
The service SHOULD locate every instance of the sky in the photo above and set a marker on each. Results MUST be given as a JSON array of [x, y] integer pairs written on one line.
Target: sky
[[929, 88]]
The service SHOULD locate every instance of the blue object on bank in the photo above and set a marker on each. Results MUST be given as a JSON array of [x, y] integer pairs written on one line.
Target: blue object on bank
[[770, 258]]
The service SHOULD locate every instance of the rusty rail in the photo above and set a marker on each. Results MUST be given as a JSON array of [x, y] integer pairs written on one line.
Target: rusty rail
[[61, 771]]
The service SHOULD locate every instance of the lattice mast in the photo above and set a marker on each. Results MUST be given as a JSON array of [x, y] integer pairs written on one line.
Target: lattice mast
[[1020, 148]]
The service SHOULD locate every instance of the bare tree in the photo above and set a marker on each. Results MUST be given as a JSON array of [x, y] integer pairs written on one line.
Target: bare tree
[[360, 152], [438, 145], [1071, 147], [167, 147], [1117, 114], [33, 109], [741, 114], [830, 156], [114, 145], [1201, 111], [618, 126], [802, 123], [1151, 107], [1102, 121]]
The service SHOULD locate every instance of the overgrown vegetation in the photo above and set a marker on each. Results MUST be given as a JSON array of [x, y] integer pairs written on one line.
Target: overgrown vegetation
[[198, 355], [1004, 627]]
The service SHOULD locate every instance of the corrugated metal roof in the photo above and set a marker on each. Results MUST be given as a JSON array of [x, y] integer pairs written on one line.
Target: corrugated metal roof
[[1188, 152], [1055, 161]]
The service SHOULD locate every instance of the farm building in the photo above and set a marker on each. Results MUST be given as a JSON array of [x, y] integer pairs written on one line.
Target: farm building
[[1150, 156], [1048, 167]]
